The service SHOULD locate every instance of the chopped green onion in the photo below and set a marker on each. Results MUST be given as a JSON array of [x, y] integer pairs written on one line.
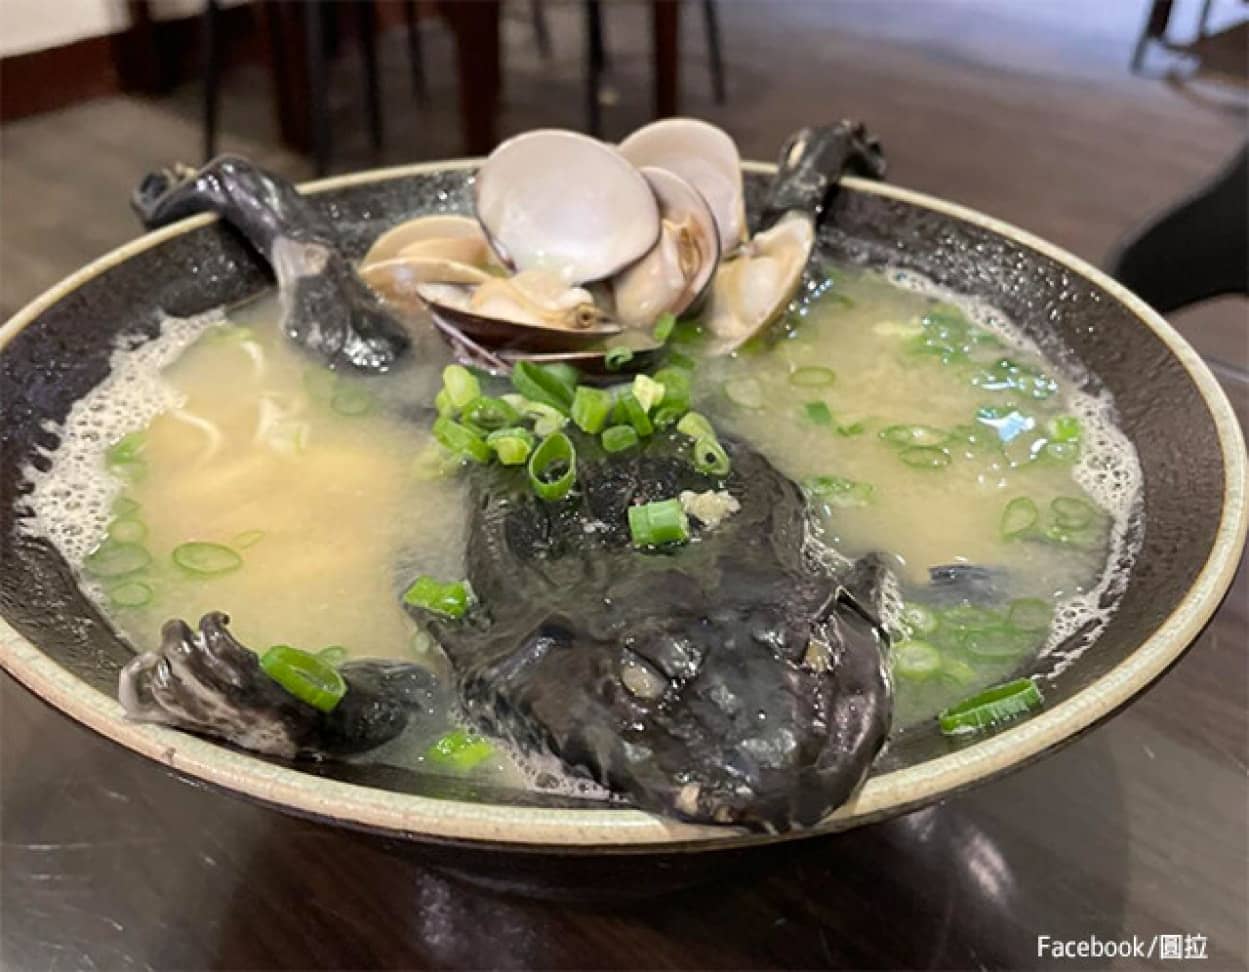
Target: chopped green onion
[[666, 416], [1008, 375], [126, 450], [126, 530], [511, 445], [678, 360], [990, 707], [333, 655], [998, 643], [247, 538], [968, 617], [553, 467], [811, 376], [1071, 513], [1019, 516], [616, 358], [710, 459], [1031, 614], [1063, 428], [461, 440], [917, 619], [565, 374], [442, 403], [852, 429], [1063, 451], [915, 435], [484, 414], [838, 491], [434, 462], [957, 671], [663, 327], [590, 408], [460, 384], [542, 384], [818, 413], [451, 600], [546, 419], [676, 382], [915, 659], [351, 400], [124, 506], [130, 594], [925, 457], [647, 391], [658, 523], [459, 750], [696, 426], [200, 557], [629, 409], [618, 438], [113, 559], [744, 392], [305, 676]]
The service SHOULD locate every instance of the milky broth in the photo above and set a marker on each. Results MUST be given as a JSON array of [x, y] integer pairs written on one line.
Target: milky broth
[[330, 489]]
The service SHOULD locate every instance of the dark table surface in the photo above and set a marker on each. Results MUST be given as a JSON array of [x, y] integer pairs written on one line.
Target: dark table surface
[[1138, 829]]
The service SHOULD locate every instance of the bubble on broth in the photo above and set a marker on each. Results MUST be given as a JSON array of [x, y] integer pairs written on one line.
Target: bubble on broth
[[71, 500]]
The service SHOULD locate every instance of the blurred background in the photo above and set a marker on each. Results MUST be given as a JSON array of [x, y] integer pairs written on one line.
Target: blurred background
[[1079, 121]]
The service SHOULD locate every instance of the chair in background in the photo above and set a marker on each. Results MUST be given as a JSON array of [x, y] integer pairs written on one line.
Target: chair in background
[[321, 29]]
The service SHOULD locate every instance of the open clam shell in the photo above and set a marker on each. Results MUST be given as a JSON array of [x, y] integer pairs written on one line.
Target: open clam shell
[[676, 272], [751, 290], [567, 203], [398, 279], [705, 157], [424, 229]]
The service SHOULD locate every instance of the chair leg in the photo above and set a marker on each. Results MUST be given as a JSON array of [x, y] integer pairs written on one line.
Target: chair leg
[[1155, 29], [714, 56], [541, 30], [1195, 250], [594, 66], [366, 27], [416, 57], [212, 76], [318, 86]]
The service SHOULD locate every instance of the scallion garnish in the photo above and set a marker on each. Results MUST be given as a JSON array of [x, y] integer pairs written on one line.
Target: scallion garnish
[[990, 707], [545, 418], [818, 412], [351, 401], [451, 599], [915, 659], [127, 449], [618, 438], [629, 409], [659, 523], [744, 392], [511, 445], [925, 457], [838, 491], [553, 467], [616, 358], [663, 327], [548, 385], [998, 643], [1031, 614], [811, 376], [1063, 428], [1071, 513], [127, 530], [305, 676], [917, 619], [915, 435], [460, 750], [696, 426], [461, 440], [647, 391], [124, 506], [130, 594], [442, 404], [1019, 516], [247, 538], [676, 382], [666, 416], [460, 384], [710, 459], [485, 414], [201, 557], [590, 409], [333, 655]]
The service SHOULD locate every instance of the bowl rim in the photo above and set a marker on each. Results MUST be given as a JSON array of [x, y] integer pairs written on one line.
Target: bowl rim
[[624, 829]]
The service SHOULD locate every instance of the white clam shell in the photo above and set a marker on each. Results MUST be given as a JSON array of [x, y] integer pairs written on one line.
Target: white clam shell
[[705, 157], [664, 280], [564, 202], [752, 289], [423, 228]]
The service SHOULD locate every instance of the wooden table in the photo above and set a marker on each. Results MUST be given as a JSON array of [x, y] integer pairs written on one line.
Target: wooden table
[[1137, 829]]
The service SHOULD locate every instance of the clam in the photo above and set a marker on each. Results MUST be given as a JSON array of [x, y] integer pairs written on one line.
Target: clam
[[675, 274], [565, 203], [425, 229], [705, 157], [752, 289], [534, 310]]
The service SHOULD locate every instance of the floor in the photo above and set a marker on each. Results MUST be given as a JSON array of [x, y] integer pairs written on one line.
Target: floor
[[1025, 109]]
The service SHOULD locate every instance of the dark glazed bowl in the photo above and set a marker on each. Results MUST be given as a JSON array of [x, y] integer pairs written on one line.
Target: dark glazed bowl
[[1190, 447]]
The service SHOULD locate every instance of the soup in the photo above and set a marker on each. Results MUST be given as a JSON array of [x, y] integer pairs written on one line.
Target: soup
[[889, 404]]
